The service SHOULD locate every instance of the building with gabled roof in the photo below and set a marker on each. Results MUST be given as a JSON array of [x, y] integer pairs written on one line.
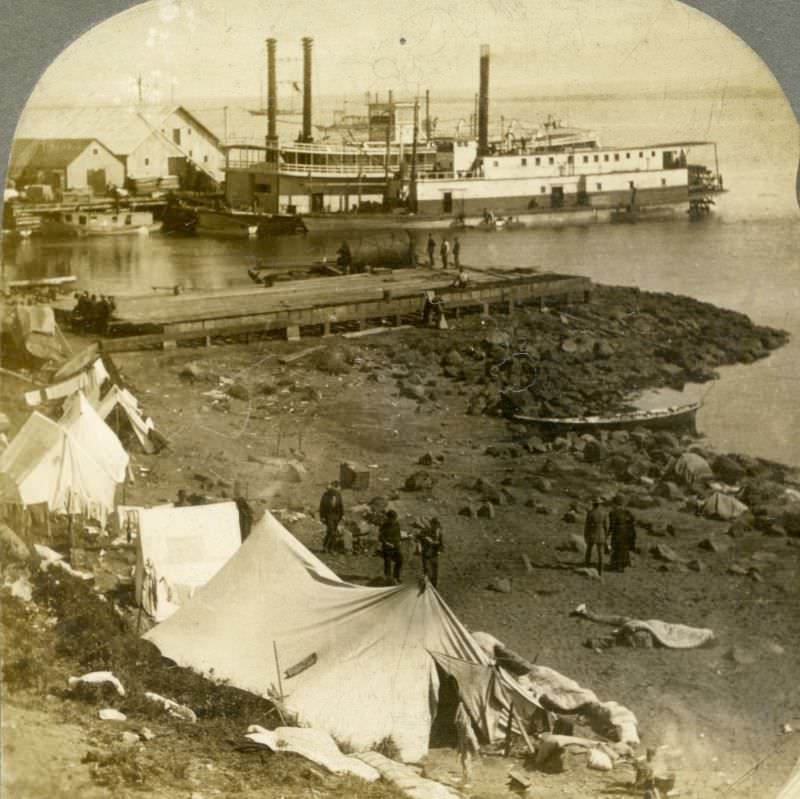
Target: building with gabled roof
[[65, 164], [151, 141]]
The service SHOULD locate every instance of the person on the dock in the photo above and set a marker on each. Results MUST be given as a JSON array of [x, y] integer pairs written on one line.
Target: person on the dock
[[344, 258], [431, 543], [431, 247], [444, 252], [390, 538], [622, 531], [331, 510], [456, 253], [595, 532], [461, 280]]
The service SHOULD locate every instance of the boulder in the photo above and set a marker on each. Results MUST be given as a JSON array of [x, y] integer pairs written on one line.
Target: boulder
[[452, 358], [570, 517], [413, 391], [419, 481], [469, 511], [497, 338], [486, 511], [542, 484], [594, 451], [192, 371], [500, 584], [426, 459], [12, 547], [643, 501], [714, 545], [238, 391], [602, 349], [353, 475], [575, 543], [696, 565], [536, 445], [665, 553]]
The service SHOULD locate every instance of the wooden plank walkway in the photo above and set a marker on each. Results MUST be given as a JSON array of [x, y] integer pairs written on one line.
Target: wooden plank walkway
[[326, 301]]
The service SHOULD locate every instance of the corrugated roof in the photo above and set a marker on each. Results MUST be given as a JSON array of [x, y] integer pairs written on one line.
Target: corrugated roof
[[46, 153]]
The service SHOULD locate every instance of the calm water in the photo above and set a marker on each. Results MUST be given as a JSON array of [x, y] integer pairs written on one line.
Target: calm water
[[745, 258]]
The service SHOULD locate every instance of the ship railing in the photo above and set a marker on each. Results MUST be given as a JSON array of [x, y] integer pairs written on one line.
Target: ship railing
[[433, 175]]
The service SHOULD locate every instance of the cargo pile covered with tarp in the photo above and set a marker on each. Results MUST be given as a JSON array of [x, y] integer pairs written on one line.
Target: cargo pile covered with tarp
[[34, 335], [364, 664]]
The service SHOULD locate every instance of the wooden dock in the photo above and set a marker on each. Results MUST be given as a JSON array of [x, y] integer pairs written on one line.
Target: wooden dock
[[317, 306]]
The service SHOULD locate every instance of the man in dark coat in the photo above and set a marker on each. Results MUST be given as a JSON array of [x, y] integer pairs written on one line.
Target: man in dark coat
[[595, 532], [331, 510], [246, 514], [431, 250], [390, 538], [431, 544], [622, 529]]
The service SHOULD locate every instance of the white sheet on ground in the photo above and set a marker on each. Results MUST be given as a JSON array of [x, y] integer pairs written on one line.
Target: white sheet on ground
[[315, 745]]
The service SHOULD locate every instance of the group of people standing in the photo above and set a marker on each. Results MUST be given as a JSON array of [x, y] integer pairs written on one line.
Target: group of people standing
[[429, 540], [445, 251], [92, 314], [610, 532]]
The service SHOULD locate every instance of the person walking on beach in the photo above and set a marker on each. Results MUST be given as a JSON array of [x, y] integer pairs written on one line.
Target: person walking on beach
[[431, 544], [622, 529], [331, 510], [444, 252], [431, 249], [389, 537], [595, 532], [456, 253]]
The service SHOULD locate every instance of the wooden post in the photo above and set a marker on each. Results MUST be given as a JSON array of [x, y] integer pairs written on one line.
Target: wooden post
[[326, 328], [509, 723]]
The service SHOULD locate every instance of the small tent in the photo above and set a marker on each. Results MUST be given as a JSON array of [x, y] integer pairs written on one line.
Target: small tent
[[120, 410], [85, 426], [792, 788], [358, 662], [45, 463], [181, 549], [723, 506]]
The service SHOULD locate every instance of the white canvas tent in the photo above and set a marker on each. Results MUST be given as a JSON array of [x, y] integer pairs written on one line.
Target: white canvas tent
[[119, 407], [181, 549], [355, 661], [792, 788], [46, 463], [85, 425]]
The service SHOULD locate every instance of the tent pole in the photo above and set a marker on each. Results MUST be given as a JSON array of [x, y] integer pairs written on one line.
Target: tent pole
[[278, 669]]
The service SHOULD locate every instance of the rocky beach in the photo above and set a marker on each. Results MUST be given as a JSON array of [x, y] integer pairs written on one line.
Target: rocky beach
[[422, 416]]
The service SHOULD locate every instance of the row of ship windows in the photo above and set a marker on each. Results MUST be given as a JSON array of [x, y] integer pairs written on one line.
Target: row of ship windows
[[599, 186], [571, 159]]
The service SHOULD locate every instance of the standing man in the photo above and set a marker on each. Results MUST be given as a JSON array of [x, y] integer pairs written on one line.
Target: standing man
[[246, 514], [622, 529], [431, 249], [331, 510], [344, 258], [595, 532], [456, 253], [444, 251], [390, 537], [431, 544]]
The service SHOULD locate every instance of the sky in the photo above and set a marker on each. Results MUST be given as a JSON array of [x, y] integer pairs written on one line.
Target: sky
[[187, 50]]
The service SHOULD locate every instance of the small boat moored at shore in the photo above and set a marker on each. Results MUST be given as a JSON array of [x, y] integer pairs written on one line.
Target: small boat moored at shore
[[82, 222], [680, 416]]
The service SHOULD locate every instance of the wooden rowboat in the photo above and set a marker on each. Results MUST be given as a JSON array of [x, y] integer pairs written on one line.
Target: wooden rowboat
[[679, 416]]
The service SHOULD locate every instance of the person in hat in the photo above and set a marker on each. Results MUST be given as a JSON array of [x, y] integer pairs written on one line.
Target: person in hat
[[595, 533], [331, 510], [431, 544], [245, 510], [622, 532], [390, 538]]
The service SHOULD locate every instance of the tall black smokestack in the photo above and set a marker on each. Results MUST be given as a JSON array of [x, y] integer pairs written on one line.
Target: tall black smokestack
[[483, 103], [307, 43], [272, 94]]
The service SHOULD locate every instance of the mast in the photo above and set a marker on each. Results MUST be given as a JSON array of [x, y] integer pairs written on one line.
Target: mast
[[412, 193]]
